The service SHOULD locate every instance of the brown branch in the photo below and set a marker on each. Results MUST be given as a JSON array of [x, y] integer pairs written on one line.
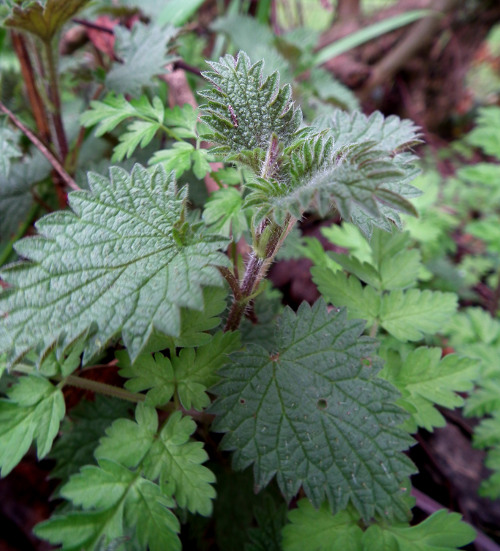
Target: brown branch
[[416, 39], [44, 150], [36, 102]]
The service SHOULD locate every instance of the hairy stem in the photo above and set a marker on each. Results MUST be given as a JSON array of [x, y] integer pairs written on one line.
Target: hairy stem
[[256, 270]]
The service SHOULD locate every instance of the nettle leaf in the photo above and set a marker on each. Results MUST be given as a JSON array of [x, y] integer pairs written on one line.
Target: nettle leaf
[[425, 380], [189, 374], [81, 431], [225, 214], [8, 150], [16, 199], [114, 499], [44, 19], [245, 110], [319, 530], [124, 262], [33, 411], [355, 177], [314, 414], [169, 456], [143, 52]]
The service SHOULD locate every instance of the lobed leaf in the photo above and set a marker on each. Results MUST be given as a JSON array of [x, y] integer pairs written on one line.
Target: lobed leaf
[[33, 412], [424, 379], [123, 263], [168, 456], [314, 414], [319, 530], [44, 19], [143, 54]]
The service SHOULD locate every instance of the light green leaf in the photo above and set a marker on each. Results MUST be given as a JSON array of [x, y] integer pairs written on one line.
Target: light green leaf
[[124, 501], [314, 414], [179, 158], [224, 213], [425, 380], [348, 236], [124, 263], [169, 456], [177, 461], [409, 315], [340, 290], [319, 530], [138, 134], [442, 531], [33, 411], [177, 12], [143, 52], [44, 19], [375, 30]]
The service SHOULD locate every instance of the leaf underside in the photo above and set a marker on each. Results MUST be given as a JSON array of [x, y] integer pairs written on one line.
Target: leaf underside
[[314, 414], [123, 263]]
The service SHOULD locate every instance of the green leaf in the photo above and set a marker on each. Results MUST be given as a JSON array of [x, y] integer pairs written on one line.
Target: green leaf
[[143, 51], [44, 19], [340, 290], [425, 380], [375, 30], [224, 213], [486, 134], [270, 519], [178, 12], [179, 158], [16, 199], [81, 431], [169, 456], [319, 530], [124, 500], [33, 411], [244, 109], [442, 531], [124, 262], [8, 150], [409, 315], [367, 184], [314, 414], [177, 461], [189, 374]]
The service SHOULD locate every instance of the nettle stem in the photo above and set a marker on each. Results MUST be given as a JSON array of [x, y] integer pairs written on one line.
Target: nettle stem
[[257, 267]]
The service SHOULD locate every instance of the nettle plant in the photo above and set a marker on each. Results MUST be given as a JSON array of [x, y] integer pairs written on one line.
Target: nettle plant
[[204, 347]]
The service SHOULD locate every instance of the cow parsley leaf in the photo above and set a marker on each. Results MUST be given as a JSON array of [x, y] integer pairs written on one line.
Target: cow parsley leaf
[[319, 530], [189, 374], [425, 380], [114, 500], [32, 412], [314, 414], [169, 456], [125, 262]]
